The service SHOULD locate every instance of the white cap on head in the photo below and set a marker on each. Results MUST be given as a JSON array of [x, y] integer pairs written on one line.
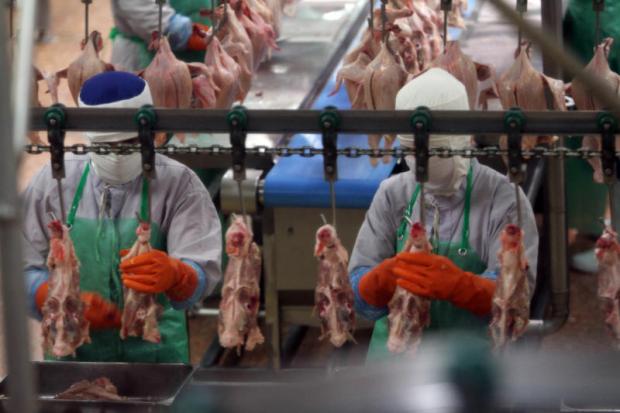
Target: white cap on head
[[438, 90], [114, 90]]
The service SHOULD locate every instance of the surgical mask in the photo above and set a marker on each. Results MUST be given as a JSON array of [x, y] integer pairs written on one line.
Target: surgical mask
[[445, 175], [115, 169]]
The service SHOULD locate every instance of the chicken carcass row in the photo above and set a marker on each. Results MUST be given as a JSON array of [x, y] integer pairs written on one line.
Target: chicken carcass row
[[226, 74], [523, 86], [333, 295], [409, 313], [464, 69], [261, 34], [237, 44], [608, 255], [511, 301], [599, 68], [241, 291], [383, 78], [141, 311], [83, 68], [64, 326]]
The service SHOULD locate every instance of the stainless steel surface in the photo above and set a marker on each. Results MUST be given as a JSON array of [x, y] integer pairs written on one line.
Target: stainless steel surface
[[229, 192], [148, 387], [14, 304]]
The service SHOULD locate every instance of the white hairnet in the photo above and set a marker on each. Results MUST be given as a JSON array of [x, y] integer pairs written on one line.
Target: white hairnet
[[437, 90]]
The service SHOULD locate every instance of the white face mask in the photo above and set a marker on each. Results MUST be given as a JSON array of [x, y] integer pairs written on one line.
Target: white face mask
[[116, 169], [445, 175]]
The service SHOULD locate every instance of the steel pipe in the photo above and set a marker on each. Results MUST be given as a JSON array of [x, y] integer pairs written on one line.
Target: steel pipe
[[21, 384], [307, 121]]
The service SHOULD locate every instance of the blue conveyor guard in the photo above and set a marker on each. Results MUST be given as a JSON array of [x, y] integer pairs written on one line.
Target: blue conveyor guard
[[299, 182]]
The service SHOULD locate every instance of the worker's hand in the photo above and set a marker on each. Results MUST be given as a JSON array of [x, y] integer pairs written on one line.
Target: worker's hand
[[99, 312], [156, 272], [436, 277], [198, 39], [378, 285]]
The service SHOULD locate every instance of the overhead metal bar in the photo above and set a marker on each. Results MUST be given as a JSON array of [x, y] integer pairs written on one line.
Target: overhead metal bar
[[305, 121]]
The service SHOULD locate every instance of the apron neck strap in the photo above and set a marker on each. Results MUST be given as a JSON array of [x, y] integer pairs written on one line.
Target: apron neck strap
[[77, 197], [402, 229]]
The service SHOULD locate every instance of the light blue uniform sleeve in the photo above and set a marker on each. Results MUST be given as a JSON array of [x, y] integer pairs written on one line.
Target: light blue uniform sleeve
[[364, 309], [34, 278], [178, 31], [198, 293]]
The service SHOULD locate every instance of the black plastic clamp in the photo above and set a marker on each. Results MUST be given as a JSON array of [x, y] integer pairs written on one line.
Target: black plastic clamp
[[608, 125], [514, 121], [421, 121], [329, 121], [237, 120], [55, 118], [146, 118]]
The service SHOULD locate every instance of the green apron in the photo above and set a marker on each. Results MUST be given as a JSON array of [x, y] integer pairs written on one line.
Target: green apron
[[445, 317], [189, 8], [97, 245]]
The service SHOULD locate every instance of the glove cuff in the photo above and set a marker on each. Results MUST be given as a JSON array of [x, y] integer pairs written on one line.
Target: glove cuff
[[187, 282], [41, 295]]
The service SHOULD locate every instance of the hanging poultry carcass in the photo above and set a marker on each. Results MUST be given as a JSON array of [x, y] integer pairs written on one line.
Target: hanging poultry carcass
[[608, 255], [83, 68], [523, 86], [261, 34], [383, 78], [464, 69], [238, 318], [236, 42], [409, 313], [511, 301], [141, 311], [584, 100], [226, 72], [64, 325], [333, 295]]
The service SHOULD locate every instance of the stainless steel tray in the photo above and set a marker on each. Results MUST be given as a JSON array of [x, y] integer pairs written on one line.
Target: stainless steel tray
[[147, 387]]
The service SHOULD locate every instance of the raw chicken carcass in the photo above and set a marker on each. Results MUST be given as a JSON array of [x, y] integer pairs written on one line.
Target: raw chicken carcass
[[241, 292], [352, 74], [383, 78], [523, 86], [599, 68], [333, 295], [204, 89], [141, 311], [64, 326], [261, 34], [511, 302], [238, 45], [464, 69], [99, 389], [409, 313], [83, 68], [226, 73], [608, 255]]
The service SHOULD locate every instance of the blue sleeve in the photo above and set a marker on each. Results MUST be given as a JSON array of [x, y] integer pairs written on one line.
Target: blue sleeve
[[34, 278], [178, 31], [198, 293], [490, 274], [362, 307]]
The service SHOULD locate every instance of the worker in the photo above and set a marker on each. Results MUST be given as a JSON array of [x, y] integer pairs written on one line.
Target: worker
[[183, 21], [466, 207], [103, 194]]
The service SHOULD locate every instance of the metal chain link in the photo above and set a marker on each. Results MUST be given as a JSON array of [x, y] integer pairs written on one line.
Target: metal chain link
[[310, 151]]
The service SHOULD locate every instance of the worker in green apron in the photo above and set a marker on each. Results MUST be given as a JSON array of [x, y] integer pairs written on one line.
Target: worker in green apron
[[106, 192], [183, 21], [467, 205]]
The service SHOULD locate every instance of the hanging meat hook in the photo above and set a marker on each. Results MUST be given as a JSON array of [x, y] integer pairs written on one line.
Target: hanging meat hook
[[86, 20]]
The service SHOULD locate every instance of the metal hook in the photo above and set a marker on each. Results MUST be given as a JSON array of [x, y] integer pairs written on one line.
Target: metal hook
[[521, 8], [217, 26], [598, 6], [421, 122], [160, 3], [86, 20], [11, 24], [370, 20], [514, 120], [446, 6], [323, 219]]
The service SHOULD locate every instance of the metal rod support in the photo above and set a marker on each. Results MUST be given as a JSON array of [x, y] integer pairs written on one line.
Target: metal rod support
[[305, 121], [14, 306]]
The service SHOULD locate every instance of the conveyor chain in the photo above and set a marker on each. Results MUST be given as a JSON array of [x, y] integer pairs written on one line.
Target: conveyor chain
[[310, 151]]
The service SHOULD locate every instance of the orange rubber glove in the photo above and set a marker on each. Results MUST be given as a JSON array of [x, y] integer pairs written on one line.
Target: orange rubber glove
[[99, 312], [436, 277], [378, 285], [156, 272], [198, 39]]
